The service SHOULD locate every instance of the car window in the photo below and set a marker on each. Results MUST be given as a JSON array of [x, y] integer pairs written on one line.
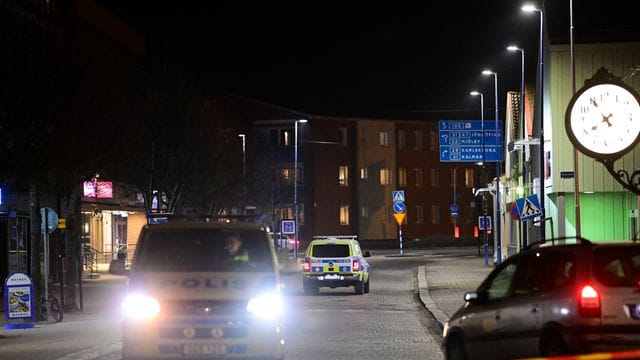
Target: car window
[[499, 286], [330, 250], [617, 266], [187, 250], [546, 270]]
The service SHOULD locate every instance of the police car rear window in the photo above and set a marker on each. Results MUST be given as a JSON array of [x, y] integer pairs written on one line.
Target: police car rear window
[[187, 250], [330, 250], [617, 266]]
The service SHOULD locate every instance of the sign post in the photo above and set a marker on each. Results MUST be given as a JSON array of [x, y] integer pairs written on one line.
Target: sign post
[[399, 212]]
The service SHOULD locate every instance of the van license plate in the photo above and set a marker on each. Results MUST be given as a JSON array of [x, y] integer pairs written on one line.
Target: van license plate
[[193, 349]]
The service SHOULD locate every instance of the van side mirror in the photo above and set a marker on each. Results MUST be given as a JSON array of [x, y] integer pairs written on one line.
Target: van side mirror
[[367, 253], [471, 296]]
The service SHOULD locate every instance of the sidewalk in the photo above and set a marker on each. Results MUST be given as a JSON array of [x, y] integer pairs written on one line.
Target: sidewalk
[[444, 281]]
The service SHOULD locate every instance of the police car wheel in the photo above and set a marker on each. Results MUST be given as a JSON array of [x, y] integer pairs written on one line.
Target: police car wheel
[[366, 286], [359, 288]]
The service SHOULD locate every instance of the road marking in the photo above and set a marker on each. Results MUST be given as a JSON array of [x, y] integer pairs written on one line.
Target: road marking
[[94, 353]]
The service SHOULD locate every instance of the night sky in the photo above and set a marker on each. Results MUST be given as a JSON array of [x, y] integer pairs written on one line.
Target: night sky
[[390, 59]]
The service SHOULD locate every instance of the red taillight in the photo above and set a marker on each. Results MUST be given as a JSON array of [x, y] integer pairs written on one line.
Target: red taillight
[[589, 302], [307, 265], [356, 265]]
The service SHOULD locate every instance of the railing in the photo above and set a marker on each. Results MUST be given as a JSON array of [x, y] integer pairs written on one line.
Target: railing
[[90, 258]]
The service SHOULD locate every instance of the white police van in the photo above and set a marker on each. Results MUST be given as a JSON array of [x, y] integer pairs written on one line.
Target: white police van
[[187, 297]]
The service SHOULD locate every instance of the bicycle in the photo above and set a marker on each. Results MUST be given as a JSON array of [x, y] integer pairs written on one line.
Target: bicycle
[[50, 309]]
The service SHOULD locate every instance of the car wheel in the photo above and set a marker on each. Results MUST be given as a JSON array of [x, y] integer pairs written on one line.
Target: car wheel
[[366, 286], [552, 344], [310, 288], [359, 288], [455, 349]]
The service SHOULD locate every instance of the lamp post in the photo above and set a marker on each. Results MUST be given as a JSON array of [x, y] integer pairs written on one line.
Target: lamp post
[[244, 168], [522, 131], [295, 186], [531, 8], [498, 239], [484, 235]]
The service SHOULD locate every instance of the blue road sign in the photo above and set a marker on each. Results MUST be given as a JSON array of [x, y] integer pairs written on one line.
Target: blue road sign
[[288, 227], [454, 208], [399, 207], [484, 222], [463, 141], [398, 195], [529, 207]]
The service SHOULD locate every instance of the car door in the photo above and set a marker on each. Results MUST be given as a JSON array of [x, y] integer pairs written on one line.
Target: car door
[[484, 327]]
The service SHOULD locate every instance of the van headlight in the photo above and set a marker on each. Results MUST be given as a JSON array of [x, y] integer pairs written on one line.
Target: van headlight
[[140, 307], [267, 306]]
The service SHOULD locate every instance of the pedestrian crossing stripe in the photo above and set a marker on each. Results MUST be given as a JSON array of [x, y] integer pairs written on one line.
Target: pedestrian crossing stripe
[[529, 207]]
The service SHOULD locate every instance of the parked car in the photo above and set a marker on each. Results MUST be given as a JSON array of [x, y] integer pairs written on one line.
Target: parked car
[[552, 300]]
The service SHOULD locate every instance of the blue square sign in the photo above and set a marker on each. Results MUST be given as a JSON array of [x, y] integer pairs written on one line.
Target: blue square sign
[[288, 227]]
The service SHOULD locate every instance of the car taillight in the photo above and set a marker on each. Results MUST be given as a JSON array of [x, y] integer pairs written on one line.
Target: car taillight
[[589, 302], [356, 265], [307, 265]]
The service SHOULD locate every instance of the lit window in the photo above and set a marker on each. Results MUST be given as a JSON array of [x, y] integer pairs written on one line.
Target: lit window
[[434, 177], [468, 178], [285, 138], [418, 139], [384, 138], [287, 176], [363, 173], [419, 177], [435, 214], [343, 176], [433, 140], [402, 177], [385, 177], [344, 215], [402, 139]]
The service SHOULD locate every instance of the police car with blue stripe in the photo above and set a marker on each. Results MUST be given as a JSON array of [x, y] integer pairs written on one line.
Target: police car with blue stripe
[[335, 261]]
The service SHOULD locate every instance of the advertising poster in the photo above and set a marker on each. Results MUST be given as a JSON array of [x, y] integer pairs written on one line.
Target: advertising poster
[[18, 300]]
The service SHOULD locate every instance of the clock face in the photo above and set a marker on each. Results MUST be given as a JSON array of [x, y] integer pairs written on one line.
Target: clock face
[[604, 120]]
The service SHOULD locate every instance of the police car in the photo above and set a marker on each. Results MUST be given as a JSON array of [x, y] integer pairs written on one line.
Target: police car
[[203, 289], [335, 261]]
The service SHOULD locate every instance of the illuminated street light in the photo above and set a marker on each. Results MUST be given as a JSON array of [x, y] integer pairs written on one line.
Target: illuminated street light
[[497, 220], [531, 8], [484, 236], [295, 187]]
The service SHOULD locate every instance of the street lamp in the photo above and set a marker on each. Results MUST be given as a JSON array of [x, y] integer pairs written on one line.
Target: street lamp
[[514, 48], [244, 168], [498, 239], [295, 187], [484, 236], [531, 8]]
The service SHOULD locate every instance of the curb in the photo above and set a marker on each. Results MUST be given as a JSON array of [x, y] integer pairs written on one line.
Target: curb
[[427, 301]]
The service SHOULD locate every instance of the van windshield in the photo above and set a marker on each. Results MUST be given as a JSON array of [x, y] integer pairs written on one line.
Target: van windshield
[[185, 250]]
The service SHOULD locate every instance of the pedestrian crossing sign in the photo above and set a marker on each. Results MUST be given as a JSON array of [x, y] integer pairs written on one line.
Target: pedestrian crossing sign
[[398, 195], [529, 207]]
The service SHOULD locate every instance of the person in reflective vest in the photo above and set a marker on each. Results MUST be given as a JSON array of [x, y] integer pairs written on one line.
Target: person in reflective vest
[[233, 246]]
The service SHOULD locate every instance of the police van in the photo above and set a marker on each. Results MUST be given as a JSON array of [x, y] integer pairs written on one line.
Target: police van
[[335, 261], [203, 289]]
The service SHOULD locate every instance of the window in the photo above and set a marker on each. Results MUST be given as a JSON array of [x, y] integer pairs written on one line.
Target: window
[[499, 286], [287, 175], [433, 140], [435, 214], [402, 139], [419, 177], [417, 135], [343, 136], [330, 250], [364, 212], [385, 177], [344, 215], [286, 138], [284, 213], [434, 177], [468, 178], [419, 214], [384, 138], [363, 173], [343, 176], [402, 177]]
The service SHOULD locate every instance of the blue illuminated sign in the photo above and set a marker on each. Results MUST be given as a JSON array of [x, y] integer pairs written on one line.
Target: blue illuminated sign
[[463, 141]]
